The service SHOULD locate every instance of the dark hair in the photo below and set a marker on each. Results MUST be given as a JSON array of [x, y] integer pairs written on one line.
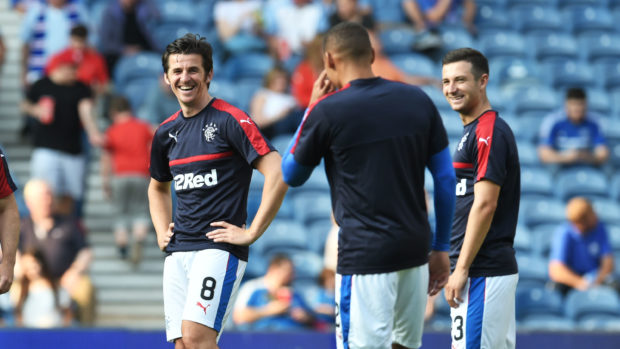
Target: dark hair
[[119, 104], [188, 44], [80, 31], [576, 93], [479, 63], [349, 39], [279, 259], [272, 74], [25, 282]]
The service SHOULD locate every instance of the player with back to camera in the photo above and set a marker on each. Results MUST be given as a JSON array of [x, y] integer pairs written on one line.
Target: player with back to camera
[[481, 288], [377, 136], [206, 152]]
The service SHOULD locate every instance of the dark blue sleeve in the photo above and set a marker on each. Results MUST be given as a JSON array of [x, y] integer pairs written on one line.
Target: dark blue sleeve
[[294, 173], [159, 166], [444, 180]]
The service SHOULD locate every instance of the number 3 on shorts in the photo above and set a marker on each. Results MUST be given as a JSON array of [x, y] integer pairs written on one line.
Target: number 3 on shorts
[[458, 328], [208, 288]]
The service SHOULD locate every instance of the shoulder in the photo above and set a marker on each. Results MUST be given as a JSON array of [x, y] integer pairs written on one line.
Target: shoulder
[[223, 106]]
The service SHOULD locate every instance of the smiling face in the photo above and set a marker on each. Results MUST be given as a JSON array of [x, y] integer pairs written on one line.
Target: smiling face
[[188, 81], [462, 89]]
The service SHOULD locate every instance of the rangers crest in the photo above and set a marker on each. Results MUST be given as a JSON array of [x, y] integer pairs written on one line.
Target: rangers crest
[[209, 131]]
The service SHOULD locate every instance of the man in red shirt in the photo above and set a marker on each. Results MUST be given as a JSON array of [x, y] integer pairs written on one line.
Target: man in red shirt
[[125, 173], [92, 69]]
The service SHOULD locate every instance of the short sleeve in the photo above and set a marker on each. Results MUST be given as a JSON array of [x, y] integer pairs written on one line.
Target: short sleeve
[[545, 134], [493, 151], [34, 92], [559, 248], [84, 91], [7, 185], [159, 167], [313, 138], [244, 136]]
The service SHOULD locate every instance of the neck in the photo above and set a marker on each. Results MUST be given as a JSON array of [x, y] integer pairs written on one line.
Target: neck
[[44, 222], [475, 112], [191, 110], [352, 72], [122, 116]]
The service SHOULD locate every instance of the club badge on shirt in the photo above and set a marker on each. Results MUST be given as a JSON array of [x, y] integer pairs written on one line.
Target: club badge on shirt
[[210, 130]]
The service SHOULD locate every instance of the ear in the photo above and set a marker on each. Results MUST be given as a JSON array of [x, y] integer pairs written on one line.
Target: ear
[[372, 56], [210, 76], [329, 61], [484, 80], [166, 79]]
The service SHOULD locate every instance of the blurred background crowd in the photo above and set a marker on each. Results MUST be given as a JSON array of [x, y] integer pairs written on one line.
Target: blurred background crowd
[[92, 93]]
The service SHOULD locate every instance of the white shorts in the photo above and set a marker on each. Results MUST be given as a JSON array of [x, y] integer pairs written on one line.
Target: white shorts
[[200, 286], [486, 318], [376, 310]]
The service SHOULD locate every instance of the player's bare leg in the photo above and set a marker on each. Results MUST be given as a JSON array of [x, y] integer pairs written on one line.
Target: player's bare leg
[[198, 336]]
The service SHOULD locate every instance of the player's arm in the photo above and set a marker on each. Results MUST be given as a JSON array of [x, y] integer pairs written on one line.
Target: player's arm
[[606, 268], [561, 273], [160, 207], [479, 221], [294, 173], [600, 154], [444, 180], [9, 238], [274, 190]]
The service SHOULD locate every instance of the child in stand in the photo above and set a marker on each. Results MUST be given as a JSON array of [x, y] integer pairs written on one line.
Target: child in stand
[[124, 169]]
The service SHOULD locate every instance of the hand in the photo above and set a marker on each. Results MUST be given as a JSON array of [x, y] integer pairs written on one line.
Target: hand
[[300, 315], [322, 86], [231, 234], [439, 271], [454, 287], [96, 139], [6, 276], [70, 279], [276, 307], [163, 243]]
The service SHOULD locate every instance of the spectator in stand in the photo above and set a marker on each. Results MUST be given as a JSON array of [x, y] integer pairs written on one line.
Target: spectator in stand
[[41, 303], [127, 29], [292, 24], [325, 307], [269, 302], [573, 136], [239, 25], [382, 66], [91, 66], [125, 174], [61, 106], [307, 71], [581, 255], [349, 11], [159, 104], [62, 241], [390, 14], [44, 32], [272, 108], [437, 12]]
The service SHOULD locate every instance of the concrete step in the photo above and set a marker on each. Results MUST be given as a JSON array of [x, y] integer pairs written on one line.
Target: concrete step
[[148, 266], [138, 311], [101, 238], [139, 322], [110, 252], [119, 297]]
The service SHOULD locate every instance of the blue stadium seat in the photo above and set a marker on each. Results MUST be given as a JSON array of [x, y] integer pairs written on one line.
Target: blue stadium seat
[[317, 235], [614, 160], [249, 66], [604, 323], [226, 90], [134, 90], [415, 64], [454, 38], [582, 181], [283, 235], [538, 301], [166, 33], [528, 126], [607, 210], [139, 66], [317, 183], [503, 44], [523, 240], [601, 48], [308, 265], [436, 95], [541, 211], [512, 4], [613, 231], [596, 301], [611, 75], [538, 99], [589, 19], [528, 154], [532, 271], [515, 74], [258, 265], [398, 40], [615, 186], [491, 18], [312, 206], [599, 102], [547, 323], [571, 74], [537, 181], [453, 125], [554, 47], [538, 18], [542, 236], [245, 90]]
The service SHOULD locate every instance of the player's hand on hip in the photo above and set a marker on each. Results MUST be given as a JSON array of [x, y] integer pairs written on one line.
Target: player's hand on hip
[[165, 240], [322, 86], [231, 234], [455, 286], [439, 271]]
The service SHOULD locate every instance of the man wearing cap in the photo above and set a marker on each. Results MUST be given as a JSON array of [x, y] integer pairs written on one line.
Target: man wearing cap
[[61, 106]]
